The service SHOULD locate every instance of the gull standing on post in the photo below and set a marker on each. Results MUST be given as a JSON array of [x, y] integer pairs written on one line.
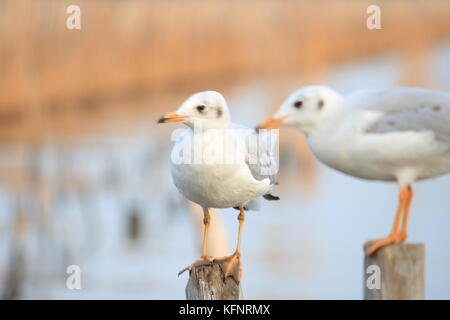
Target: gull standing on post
[[217, 169], [397, 134]]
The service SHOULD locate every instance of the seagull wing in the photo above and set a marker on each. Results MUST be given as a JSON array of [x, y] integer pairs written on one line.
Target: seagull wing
[[260, 152], [405, 109]]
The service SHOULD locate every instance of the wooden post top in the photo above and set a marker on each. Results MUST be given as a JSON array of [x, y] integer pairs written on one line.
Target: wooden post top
[[395, 272], [206, 282]]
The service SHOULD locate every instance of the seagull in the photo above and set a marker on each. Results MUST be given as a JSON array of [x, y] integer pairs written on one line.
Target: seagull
[[395, 134], [218, 165]]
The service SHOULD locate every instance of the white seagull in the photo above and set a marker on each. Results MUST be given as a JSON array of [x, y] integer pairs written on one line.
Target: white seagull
[[396, 134], [213, 166]]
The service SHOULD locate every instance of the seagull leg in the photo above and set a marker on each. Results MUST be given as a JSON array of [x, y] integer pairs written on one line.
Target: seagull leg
[[204, 259], [395, 236], [403, 231], [231, 265]]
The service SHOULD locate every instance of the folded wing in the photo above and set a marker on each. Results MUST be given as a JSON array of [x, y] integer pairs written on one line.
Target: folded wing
[[405, 109]]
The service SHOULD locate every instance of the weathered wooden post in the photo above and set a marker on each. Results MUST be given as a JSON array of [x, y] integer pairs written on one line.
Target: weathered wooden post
[[400, 268], [206, 282]]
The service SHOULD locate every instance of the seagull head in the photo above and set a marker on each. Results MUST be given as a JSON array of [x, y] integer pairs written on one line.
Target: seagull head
[[207, 109], [305, 109]]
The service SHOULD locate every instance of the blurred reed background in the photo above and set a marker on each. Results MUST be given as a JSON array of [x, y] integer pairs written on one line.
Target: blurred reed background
[[79, 150], [133, 48]]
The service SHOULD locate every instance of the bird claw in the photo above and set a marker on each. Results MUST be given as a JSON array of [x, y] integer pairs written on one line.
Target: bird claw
[[231, 266], [371, 246], [199, 262]]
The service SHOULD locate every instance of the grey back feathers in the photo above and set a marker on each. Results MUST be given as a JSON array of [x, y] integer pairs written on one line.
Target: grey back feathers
[[406, 109]]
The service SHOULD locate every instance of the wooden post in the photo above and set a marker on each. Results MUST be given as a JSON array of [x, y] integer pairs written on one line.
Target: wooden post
[[400, 269], [207, 282]]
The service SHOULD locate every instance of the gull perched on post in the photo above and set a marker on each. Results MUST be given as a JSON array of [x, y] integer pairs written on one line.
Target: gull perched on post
[[217, 165], [396, 134]]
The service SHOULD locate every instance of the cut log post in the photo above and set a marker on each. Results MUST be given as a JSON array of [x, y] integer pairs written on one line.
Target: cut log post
[[395, 272], [206, 282]]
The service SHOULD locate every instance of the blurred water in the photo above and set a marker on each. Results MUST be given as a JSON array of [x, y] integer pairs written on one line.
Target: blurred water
[[108, 205]]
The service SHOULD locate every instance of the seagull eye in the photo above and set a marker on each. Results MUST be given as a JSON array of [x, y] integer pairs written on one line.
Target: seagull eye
[[320, 104], [298, 104], [201, 108]]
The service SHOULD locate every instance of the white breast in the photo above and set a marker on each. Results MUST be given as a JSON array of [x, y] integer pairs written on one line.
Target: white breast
[[215, 185]]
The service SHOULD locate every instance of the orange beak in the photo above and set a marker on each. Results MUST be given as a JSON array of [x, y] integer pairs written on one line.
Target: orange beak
[[172, 117], [271, 123]]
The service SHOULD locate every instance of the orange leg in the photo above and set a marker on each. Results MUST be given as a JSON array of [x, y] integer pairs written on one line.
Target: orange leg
[[404, 230], [395, 236], [206, 222], [204, 259], [231, 265]]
